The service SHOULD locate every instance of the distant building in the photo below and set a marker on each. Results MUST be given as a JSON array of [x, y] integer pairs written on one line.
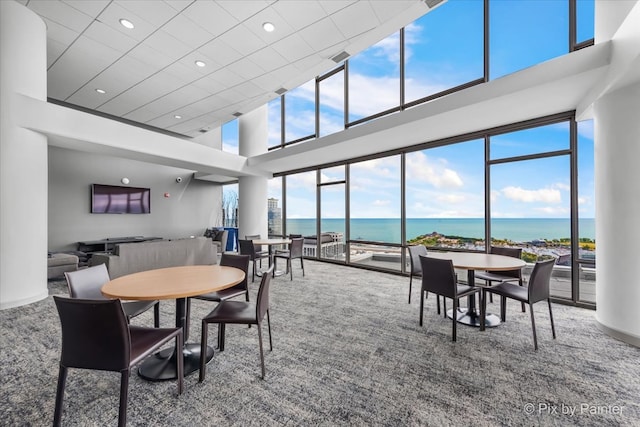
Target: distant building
[[274, 213]]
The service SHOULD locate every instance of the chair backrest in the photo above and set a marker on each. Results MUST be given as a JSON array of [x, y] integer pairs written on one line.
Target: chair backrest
[[247, 248], [258, 248], [95, 334], [539, 280], [438, 276], [295, 236], [86, 283], [512, 252], [237, 261], [262, 301], [414, 255], [295, 248]]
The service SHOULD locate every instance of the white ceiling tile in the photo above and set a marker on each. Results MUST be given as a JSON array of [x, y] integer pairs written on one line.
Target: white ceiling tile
[[388, 8], [81, 62], [182, 73], [321, 34], [99, 32], [114, 12], [222, 52], [332, 6], [227, 76], [150, 56], [282, 27], [243, 9], [300, 14], [60, 33], [242, 40], [178, 5], [156, 13], [246, 69], [167, 44], [355, 19], [61, 13], [210, 16], [268, 59], [54, 50], [187, 31], [209, 85], [292, 48], [91, 8], [248, 89]]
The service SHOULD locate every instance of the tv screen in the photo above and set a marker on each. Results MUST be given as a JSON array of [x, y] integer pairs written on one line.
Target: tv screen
[[114, 199]]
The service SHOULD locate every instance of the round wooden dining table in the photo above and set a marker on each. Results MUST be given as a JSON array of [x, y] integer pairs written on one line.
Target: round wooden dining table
[[177, 283], [270, 243], [472, 261]]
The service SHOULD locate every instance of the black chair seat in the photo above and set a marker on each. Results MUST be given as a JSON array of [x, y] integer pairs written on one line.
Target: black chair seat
[[233, 312], [509, 290], [145, 341], [222, 295], [495, 277]]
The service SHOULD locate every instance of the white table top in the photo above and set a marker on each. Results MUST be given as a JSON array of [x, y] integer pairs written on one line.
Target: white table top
[[271, 241], [479, 261]]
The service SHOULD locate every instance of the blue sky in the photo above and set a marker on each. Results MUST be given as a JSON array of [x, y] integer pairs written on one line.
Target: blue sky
[[444, 49]]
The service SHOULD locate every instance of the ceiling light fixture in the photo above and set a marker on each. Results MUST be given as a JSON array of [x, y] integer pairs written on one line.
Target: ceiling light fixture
[[101, 91], [201, 63], [268, 27], [126, 23], [177, 117]]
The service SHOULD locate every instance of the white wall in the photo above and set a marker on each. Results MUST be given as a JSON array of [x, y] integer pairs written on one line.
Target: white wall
[[193, 205]]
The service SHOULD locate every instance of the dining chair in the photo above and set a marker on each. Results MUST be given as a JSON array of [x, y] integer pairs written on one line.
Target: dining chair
[[248, 248], [439, 277], [97, 336], [239, 312], [503, 276], [259, 249], [86, 284], [416, 270], [294, 252], [538, 290], [230, 260]]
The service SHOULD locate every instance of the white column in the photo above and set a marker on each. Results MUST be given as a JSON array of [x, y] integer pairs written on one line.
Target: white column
[[23, 159], [252, 191], [617, 176]]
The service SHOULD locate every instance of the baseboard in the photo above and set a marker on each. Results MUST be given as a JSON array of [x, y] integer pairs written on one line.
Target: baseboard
[[622, 336]]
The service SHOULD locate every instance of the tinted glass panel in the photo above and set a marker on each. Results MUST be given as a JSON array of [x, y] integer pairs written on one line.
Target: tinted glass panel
[[230, 137], [585, 19], [300, 107], [530, 141], [332, 104], [274, 122]]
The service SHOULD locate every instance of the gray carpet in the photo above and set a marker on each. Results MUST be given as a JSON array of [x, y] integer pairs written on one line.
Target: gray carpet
[[348, 350]]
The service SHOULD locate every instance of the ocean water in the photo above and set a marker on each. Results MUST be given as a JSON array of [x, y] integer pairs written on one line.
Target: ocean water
[[388, 229]]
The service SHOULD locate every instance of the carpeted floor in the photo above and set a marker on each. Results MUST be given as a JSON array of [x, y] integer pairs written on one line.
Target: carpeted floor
[[348, 350]]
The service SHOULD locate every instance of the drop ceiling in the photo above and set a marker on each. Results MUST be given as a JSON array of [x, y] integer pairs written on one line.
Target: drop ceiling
[[149, 74]]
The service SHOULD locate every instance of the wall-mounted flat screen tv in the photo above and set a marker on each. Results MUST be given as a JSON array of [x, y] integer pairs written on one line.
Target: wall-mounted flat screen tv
[[114, 199]]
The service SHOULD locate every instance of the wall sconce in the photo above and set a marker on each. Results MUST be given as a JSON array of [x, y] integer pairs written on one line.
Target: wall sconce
[[125, 181]]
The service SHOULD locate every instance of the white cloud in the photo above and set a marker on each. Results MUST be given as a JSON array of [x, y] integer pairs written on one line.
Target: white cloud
[[421, 168], [381, 202], [369, 95], [545, 195], [451, 198]]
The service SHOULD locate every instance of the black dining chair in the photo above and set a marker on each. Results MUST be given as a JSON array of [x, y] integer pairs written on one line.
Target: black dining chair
[[97, 336], [503, 276], [248, 248], [439, 277], [416, 270], [86, 284], [239, 312], [536, 291], [294, 252]]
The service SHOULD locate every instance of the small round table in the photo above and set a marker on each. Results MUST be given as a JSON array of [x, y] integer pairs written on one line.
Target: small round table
[[177, 283], [271, 243], [472, 261]]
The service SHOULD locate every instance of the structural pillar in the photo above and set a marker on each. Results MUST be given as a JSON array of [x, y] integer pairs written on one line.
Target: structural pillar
[[617, 151], [252, 190], [23, 159]]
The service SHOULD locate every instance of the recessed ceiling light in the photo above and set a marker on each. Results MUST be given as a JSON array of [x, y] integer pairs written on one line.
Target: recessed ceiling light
[[268, 27], [102, 91], [126, 23], [177, 117], [201, 63]]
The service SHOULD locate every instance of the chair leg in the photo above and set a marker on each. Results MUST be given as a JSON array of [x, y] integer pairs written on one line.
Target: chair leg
[[553, 328], [483, 308], [290, 267], [269, 328], [422, 305], [124, 388], [180, 364], [444, 307], [62, 378], [302, 266], [410, 280], [503, 309], [221, 336], [261, 351], [454, 319], [438, 300], [533, 327], [156, 315], [524, 310], [203, 351]]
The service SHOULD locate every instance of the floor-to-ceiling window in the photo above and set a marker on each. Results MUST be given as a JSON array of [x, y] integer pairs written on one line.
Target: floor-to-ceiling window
[[586, 262], [331, 241]]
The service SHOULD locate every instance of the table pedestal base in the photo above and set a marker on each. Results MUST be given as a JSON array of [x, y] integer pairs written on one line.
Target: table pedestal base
[[162, 365], [472, 318]]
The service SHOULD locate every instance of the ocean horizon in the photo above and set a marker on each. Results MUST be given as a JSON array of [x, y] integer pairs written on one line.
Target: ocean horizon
[[388, 229]]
